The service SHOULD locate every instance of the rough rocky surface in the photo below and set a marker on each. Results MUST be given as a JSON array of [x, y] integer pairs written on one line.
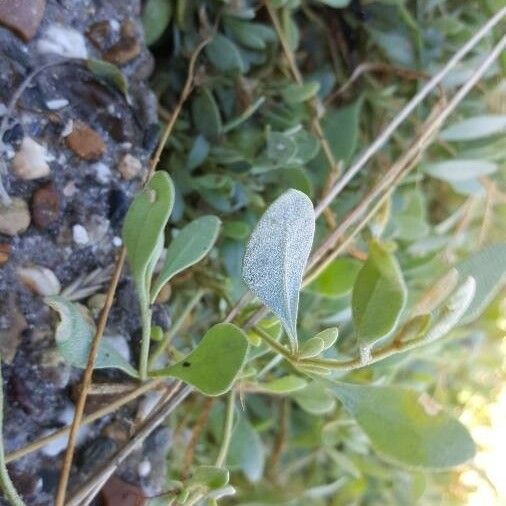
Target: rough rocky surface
[[69, 220]]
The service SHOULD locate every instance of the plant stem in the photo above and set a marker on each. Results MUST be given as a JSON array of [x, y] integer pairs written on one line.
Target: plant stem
[[227, 430], [176, 326], [5, 481], [244, 116], [146, 315]]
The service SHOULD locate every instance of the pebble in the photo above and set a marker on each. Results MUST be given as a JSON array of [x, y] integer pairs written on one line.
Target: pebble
[[23, 17], [15, 218], [39, 280], [116, 492], [57, 103], [129, 167], [144, 468], [59, 39], [103, 172], [5, 252], [85, 142], [30, 161], [80, 235], [45, 206], [127, 48]]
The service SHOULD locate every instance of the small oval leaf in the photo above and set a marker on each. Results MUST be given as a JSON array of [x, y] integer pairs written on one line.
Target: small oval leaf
[[214, 364], [312, 347], [475, 128], [337, 279], [190, 246], [276, 256], [456, 171]]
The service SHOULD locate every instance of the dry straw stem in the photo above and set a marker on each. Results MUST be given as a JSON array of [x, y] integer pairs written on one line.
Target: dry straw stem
[[78, 415]]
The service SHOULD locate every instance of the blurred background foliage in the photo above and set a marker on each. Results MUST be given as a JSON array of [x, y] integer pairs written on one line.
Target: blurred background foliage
[[245, 135]]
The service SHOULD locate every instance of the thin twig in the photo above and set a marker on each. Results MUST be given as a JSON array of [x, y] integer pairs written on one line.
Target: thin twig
[[67, 462]]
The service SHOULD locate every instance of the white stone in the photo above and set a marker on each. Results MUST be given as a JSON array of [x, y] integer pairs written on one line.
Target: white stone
[[15, 218], [69, 189], [57, 103], [30, 161], [80, 235], [64, 41], [102, 171], [67, 129], [39, 280], [129, 167], [116, 241], [144, 468]]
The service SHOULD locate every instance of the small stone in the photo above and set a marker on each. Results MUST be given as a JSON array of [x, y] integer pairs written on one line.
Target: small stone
[[144, 468], [39, 280], [57, 103], [117, 491], [30, 161], [85, 142], [45, 206], [103, 172], [129, 167], [127, 48], [22, 16], [80, 235], [15, 218], [99, 34], [5, 252], [117, 241], [59, 39]]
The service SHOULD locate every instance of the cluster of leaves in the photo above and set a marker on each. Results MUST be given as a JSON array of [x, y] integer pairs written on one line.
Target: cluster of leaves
[[319, 412]]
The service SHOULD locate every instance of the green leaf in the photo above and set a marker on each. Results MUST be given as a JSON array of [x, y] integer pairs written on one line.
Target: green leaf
[[190, 246], [7, 487], [488, 268], [456, 171], [236, 229], [315, 399], [475, 128], [74, 334], [341, 127], [143, 229], [336, 3], [379, 296], [109, 73], [298, 93], [412, 220], [251, 35], [337, 278], [280, 148], [155, 18], [246, 451], [211, 477], [312, 347], [198, 152], [329, 337], [224, 55], [284, 385], [214, 364], [406, 427], [276, 256], [206, 115]]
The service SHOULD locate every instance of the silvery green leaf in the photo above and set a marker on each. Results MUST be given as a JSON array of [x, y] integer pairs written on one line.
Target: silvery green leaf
[[454, 171], [74, 334], [276, 256], [475, 128]]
